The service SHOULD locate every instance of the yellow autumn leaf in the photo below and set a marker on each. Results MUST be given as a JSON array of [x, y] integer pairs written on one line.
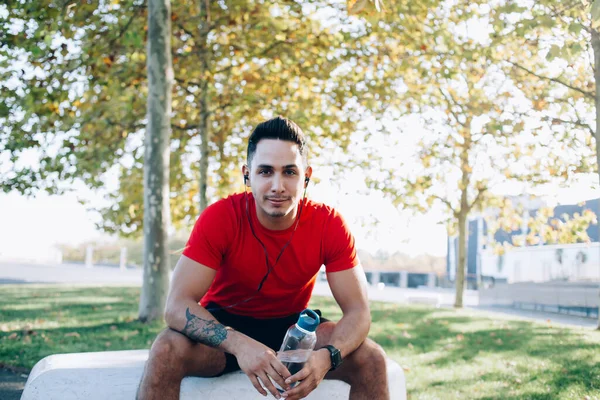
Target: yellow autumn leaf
[[363, 6]]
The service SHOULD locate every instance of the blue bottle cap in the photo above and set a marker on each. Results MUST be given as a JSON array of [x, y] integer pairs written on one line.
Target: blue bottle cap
[[309, 320]]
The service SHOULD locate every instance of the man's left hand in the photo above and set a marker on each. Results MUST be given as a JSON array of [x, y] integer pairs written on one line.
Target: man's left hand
[[309, 376]]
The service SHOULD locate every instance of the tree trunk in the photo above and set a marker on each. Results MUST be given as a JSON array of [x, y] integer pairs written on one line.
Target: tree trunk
[[204, 103], [462, 258], [596, 47], [462, 215], [205, 137], [156, 162]]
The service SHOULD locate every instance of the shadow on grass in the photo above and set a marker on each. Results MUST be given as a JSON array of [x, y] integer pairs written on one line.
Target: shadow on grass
[[573, 356], [533, 341], [529, 395], [500, 391], [37, 322], [454, 339], [28, 347]]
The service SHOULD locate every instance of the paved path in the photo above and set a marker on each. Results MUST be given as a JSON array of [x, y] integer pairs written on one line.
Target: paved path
[[553, 318], [433, 296], [13, 273], [11, 384]]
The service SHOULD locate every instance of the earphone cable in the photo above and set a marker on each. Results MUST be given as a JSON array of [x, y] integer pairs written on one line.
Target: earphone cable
[[269, 266]]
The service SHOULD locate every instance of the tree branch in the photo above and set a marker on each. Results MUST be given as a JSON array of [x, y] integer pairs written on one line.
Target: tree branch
[[450, 104], [576, 123], [186, 31], [130, 127], [559, 13], [185, 128], [185, 85], [478, 198], [547, 78], [446, 202], [124, 28]]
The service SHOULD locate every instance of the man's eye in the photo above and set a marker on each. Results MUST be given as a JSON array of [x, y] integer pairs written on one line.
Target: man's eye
[[263, 172], [290, 172]]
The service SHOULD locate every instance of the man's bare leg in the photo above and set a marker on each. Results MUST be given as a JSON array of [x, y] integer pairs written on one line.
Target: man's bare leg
[[364, 369], [172, 357]]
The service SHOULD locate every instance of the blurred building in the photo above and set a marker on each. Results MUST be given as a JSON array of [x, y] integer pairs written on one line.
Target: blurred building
[[400, 270], [539, 263]]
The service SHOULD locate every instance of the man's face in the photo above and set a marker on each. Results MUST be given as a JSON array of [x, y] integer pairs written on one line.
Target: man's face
[[277, 176]]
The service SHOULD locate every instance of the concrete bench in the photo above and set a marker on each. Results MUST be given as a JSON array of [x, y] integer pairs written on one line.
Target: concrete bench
[[115, 375]]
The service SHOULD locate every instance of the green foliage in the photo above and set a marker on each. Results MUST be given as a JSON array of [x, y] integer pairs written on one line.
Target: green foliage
[[550, 59], [477, 133], [489, 121], [69, 97], [542, 228], [235, 64]]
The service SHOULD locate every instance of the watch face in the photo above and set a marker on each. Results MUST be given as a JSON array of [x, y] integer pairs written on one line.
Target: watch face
[[336, 357]]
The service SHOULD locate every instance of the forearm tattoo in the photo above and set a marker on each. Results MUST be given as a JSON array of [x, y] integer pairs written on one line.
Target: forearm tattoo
[[205, 331]]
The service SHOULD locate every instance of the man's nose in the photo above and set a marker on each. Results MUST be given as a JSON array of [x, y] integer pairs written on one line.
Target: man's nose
[[277, 184]]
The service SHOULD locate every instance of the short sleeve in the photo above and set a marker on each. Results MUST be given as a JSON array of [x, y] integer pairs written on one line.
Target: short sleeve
[[339, 247], [212, 232]]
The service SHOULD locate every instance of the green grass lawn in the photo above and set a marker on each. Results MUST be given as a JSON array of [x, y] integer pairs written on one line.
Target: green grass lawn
[[446, 354]]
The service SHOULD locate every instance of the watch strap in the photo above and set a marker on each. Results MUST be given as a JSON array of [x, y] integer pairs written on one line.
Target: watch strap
[[335, 356]]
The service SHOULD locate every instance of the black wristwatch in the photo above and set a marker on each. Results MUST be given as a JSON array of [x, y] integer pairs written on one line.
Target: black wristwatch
[[336, 356]]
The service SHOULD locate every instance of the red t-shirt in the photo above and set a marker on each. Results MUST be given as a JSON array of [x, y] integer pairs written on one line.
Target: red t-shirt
[[222, 240]]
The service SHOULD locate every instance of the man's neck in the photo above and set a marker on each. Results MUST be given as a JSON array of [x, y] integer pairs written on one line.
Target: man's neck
[[277, 223]]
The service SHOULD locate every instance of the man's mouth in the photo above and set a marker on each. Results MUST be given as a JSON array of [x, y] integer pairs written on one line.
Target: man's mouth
[[277, 200]]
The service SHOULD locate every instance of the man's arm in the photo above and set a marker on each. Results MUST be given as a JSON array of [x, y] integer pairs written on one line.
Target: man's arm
[[189, 283], [349, 288]]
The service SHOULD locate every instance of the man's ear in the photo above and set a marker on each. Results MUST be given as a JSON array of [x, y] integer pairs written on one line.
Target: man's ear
[[246, 175], [307, 175]]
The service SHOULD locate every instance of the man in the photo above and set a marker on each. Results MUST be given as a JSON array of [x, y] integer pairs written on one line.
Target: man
[[247, 272]]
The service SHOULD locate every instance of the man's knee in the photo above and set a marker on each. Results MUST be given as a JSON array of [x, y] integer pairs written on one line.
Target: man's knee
[[170, 349], [369, 357]]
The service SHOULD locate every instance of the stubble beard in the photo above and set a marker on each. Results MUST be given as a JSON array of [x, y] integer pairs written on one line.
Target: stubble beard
[[279, 213]]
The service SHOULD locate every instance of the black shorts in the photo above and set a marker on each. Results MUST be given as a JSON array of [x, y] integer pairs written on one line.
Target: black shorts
[[269, 332]]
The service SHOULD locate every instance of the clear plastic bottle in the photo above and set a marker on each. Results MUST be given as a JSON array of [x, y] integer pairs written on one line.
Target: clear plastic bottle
[[299, 341]]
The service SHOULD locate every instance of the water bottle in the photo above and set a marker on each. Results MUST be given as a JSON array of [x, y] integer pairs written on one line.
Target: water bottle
[[299, 342]]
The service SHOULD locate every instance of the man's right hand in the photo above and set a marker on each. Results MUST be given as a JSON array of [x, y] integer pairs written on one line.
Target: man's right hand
[[260, 362]]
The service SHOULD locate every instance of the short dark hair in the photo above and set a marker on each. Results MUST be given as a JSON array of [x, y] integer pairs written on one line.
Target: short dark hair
[[277, 128]]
